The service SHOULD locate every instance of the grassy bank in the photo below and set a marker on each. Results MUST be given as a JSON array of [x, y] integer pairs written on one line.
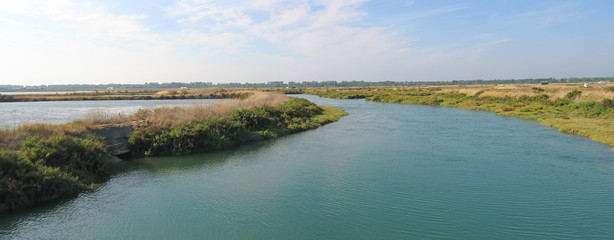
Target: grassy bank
[[240, 126], [586, 111], [40, 163]]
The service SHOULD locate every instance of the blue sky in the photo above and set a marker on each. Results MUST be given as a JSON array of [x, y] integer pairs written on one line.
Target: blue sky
[[138, 41]]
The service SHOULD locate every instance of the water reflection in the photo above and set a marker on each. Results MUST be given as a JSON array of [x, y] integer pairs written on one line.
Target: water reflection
[[193, 162]]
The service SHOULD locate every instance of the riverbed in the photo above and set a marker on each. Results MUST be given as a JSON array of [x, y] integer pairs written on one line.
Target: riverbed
[[386, 171]]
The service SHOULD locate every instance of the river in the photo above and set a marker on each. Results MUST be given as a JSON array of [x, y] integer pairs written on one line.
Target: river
[[386, 171]]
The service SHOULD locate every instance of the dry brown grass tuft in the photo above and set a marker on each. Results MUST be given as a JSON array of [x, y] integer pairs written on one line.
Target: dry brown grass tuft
[[12, 138]]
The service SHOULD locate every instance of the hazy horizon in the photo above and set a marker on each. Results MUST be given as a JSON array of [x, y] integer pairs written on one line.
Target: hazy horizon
[[133, 42]]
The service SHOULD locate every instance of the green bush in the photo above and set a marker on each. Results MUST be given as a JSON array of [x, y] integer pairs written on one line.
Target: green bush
[[256, 119], [85, 158], [246, 118], [608, 103], [574, 94], [206, 136], [590, 108], [23, 183]]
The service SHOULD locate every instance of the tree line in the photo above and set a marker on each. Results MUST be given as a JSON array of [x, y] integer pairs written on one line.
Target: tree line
[[281, 84]]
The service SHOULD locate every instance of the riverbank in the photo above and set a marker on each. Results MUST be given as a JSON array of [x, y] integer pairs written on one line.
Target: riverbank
[[41, 163], [572, 108], [133, 94]]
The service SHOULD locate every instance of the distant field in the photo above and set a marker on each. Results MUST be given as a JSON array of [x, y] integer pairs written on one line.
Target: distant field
[[133, 94]]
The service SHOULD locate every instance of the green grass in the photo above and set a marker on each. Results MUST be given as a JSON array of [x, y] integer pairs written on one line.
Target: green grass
[[329, 114], [600, 130]]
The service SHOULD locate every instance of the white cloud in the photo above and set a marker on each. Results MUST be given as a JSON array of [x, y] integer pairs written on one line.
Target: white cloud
[[212, 41], [76, 41], [79, 19], [81, 41], [312, 30]]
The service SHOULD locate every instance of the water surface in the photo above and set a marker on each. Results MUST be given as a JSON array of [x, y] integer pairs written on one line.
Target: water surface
[[13, 114], [386, 171], [44, 92]]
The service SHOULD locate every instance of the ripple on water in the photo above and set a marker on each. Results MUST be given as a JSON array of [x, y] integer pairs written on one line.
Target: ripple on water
[[387, 171]]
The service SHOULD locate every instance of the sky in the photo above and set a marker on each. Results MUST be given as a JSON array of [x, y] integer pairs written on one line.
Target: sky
[[45, 42]]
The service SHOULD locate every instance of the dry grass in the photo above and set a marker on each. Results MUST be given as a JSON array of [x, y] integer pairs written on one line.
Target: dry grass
[[137, 94], [203, 92], [174, 116], [596, 92], [12, 138], [166, 117]]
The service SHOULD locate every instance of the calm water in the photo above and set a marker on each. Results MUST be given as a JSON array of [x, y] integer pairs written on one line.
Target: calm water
[[13, 114], [49, 92], [387, 171]]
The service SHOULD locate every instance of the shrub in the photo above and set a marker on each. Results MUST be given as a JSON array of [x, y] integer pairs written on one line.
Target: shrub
[[538, 89], [206, 136], [252, 120], [85, 158], [560, 102], [591, 108], [23, 183], [574, 94], [6, 98], [608, 103]]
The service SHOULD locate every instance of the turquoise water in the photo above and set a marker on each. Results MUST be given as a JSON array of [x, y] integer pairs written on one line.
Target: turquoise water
[[386, 171]]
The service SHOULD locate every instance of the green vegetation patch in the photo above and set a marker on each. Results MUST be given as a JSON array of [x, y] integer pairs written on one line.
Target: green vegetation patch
[[45, 170], [241, 126]]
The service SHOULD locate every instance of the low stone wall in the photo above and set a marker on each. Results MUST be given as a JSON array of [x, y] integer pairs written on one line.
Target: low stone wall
[[116, 138]]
